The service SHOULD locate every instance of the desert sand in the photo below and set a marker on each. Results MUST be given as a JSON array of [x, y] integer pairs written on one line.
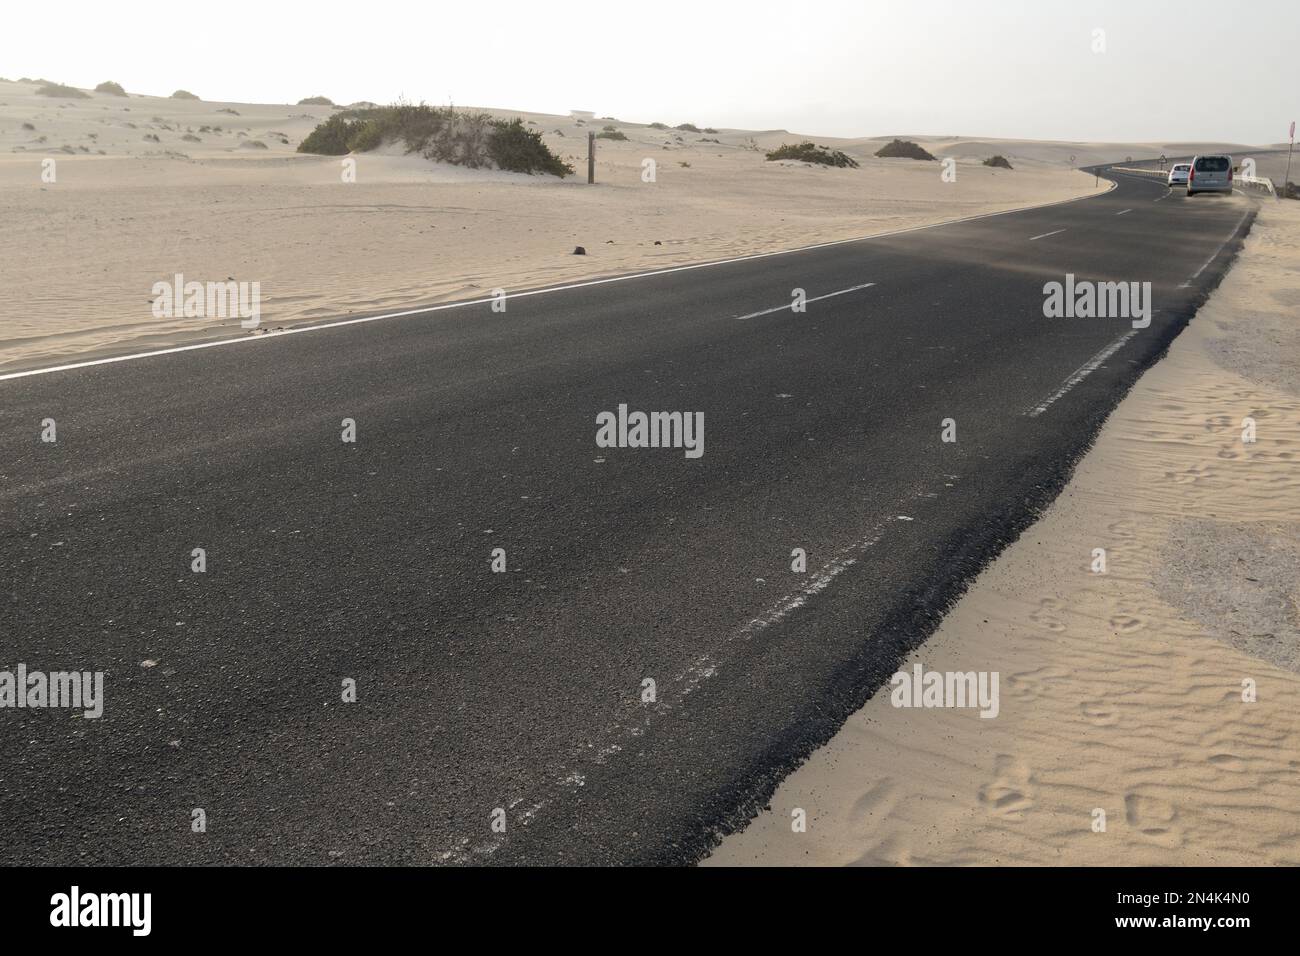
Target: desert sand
[[146, 187], [1123, 691]]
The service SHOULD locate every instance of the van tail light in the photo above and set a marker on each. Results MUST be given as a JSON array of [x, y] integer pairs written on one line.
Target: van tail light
[[1229, 174], [1191, 174]]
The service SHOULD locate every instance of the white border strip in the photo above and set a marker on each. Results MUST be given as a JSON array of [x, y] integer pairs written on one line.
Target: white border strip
[[244, 340], [1082, 372], [1206, 264]]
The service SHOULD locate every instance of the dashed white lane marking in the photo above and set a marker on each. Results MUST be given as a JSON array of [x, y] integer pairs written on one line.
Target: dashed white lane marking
[[1046, 234], [790, 305], [1082, 372], [299, 329], [1122, 211]]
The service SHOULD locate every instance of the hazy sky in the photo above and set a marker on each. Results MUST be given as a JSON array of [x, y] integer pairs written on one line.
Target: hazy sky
[[1191, 70]]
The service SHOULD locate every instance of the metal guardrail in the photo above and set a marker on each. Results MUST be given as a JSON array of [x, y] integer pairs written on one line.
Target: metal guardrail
[[1263, 181]]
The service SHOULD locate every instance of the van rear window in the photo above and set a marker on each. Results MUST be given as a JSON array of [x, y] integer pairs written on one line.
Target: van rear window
[[1212, 164]]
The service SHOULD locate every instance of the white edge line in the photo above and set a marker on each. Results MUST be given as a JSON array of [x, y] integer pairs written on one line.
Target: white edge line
[[1122, 211], [543, 291], [1046, 234], [1082, 372], [1092, 364], [1204, 265], [790, 305]]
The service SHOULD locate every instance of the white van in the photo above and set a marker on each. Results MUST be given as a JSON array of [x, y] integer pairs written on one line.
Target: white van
[[1210, 174]]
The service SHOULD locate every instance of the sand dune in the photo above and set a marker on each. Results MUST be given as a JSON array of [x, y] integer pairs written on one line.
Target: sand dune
[[1120, 691]]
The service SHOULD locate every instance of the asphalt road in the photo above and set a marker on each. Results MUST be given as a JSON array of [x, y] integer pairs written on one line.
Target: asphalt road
[[522, 690]]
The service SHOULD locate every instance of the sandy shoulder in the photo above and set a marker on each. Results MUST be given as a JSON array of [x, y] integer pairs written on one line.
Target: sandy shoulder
[[1120, 691]]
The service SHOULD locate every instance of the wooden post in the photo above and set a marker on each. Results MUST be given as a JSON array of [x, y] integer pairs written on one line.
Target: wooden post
[[591, 156], [1286, 178]]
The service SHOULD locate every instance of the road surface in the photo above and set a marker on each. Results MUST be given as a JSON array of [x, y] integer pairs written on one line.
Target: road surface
[[370, 561]]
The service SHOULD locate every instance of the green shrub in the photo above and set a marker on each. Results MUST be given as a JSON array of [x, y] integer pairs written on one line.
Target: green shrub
[[1001, 162], [658, 125], [113, 89], [809, 153], [364, 136], [316, 101], [58, 89], [442, 134], [330, 138], [461, 139], [902, 149], [183, 95], [687, 128], [612, 134], [710, 129], [518, 149]]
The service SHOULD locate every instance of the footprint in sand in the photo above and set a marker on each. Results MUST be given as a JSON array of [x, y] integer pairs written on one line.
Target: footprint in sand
[[1046, 616], [874, 805], [1126, 623], [1012, 792], [1191, 476], [1122, 529], [1036, 684], [1098, 714], [1154, 818], [1230, 762]]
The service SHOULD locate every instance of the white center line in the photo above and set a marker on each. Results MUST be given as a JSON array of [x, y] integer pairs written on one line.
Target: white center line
[[1082, 372], [790, 305], [1122, 211], [298, 329], [1046, 234]]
